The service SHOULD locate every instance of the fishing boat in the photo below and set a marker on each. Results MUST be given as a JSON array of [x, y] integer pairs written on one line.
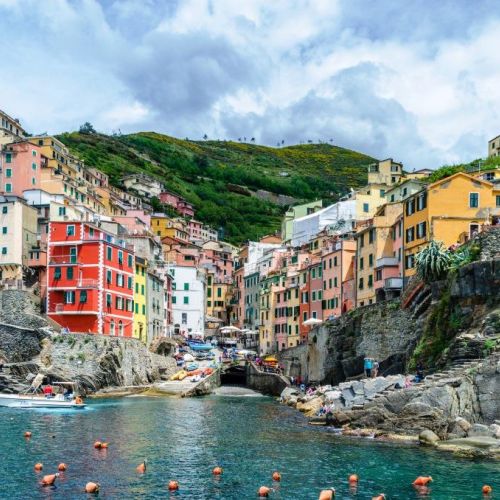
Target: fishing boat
[[34, 398], [199, 346]]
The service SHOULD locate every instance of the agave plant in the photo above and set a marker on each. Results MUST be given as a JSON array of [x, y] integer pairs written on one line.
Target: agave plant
[[433, 261], [461, 257]]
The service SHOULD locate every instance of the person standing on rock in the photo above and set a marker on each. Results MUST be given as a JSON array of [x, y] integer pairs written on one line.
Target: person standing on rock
[[368, 367], [375, 369]]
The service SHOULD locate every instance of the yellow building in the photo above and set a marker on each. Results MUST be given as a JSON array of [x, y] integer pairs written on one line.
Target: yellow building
[[450, 210], [164, 226], [293, 304], [218, 295], [374, 242], [140, 309], [266, 323]]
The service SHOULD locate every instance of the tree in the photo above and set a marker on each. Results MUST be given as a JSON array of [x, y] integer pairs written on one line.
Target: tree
[[252, 139], [433, 262], [205, 137], [87, 128]]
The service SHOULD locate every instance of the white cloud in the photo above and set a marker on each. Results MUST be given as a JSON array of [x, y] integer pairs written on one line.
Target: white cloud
[[417, 81]]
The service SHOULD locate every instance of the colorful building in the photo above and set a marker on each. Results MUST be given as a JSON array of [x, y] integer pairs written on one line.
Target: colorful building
[[450, 210], [296, 212], [155, 305], [10, 129], [140, 311], [90, 279]]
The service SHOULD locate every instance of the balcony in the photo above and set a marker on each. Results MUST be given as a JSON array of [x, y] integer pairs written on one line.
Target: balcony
[[387, 262], [87, 283], [62, 308], [393, 283], [56, 260]]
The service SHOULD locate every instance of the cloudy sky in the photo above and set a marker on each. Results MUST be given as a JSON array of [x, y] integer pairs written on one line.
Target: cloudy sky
[[416, 80]]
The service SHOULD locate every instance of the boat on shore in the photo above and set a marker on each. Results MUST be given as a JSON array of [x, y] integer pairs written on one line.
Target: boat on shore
[[198, 346], [34, 398]]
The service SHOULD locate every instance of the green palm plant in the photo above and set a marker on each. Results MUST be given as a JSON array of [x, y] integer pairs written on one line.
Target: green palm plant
[[433, 261]]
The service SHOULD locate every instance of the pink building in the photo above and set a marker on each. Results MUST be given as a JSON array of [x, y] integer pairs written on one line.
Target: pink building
[[389, 268], [337, 263], [140, 214], [178, 202], [185, 208], [194, 229], [21, 168]]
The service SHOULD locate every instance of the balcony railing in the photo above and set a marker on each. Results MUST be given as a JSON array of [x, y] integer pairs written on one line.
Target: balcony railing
[[87, 283], [63, 259], [393, 283], [387, 262]]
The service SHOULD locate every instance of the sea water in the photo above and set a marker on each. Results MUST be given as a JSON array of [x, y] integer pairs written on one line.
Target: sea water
[[183, 439]]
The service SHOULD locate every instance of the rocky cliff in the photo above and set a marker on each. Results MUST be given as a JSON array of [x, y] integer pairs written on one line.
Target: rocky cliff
[[29, 345]]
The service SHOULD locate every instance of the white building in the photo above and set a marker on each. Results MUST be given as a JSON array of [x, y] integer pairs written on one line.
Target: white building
[[188, 300], [256, 250], [10, 129], [143, 184], [339, 217]]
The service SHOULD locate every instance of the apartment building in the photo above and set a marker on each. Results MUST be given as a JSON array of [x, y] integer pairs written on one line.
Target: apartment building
[[10, 129]]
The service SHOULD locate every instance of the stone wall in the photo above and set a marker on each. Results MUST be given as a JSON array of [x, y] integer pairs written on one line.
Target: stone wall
[[489, 243], [266, 383], [21, 308], [95, 362], [335, 350]]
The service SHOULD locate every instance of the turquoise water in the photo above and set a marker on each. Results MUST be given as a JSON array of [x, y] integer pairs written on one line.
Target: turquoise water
[[184, 439]]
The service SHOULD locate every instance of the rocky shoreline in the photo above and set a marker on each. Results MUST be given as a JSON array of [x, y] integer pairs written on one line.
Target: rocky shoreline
[[455, 410]]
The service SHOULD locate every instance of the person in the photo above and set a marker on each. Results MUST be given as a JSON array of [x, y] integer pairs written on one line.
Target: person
[[408, 382], [375, 369], [368, 367], [48, 391], [292, 380], [420, 372]]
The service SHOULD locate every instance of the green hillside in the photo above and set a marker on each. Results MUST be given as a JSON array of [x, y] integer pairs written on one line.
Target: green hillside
[[202, 172]]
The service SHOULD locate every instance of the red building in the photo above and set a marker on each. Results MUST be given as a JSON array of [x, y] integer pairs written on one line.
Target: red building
[[90, 279], [178, 202]]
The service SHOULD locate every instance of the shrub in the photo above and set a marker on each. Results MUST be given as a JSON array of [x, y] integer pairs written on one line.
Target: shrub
[[433, 262]]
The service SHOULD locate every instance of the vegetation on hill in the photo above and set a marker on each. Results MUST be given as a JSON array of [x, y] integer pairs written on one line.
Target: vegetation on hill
[[202, 171], [473, 166]]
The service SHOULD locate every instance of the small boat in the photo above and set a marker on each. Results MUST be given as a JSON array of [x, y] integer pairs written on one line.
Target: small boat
[[33, 398], [191, 367], [198, 346]]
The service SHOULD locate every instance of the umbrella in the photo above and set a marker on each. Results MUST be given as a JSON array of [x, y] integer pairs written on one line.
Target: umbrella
[[229, 329], [312, 322]]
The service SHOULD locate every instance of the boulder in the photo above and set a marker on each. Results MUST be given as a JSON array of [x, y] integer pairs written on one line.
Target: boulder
[[311, 407], [428, 438], [495, 430], [479, 430], [288, 392], [331, 396]]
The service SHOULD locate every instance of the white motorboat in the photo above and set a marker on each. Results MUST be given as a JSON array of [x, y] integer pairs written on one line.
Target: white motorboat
[[35, 399], [40, 401]]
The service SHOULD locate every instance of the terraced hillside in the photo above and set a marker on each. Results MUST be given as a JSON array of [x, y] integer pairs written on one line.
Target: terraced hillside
[[232, 185]]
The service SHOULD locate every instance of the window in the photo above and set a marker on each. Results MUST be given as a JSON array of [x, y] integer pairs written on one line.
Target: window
[[4, 230], [209, 292], [361, 262], [219, 292], [62, 211], [69, 297], [8, 172], [120, 328], [119, 303], [362, 241], [4, 250], [4, 210], [112, 327], [410, 234], [129, 282], [313, 296], [370, 260], [136, 308], [409, 261], [366, 207], [69, 273], [473, 200], [371, 236], [410, 207], [370, 281], [108, 300], [119, 279], [143, 309], [186, 286], [421, 230], [83, 296], [498, 201], [142, 289], [422, 201], [130, 260], [335, 282], [392, 197], [109, 276], [109, 253], [120, 257], [184, 318], [8, 158], [8, 188], [70, 230], [33, 152], [382, 193], [33, 166], [186, 300], [378, 275], [361, 283], [335, 261]]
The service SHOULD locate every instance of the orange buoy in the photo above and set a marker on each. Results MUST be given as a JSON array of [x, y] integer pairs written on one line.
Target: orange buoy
[[38, 467], [91, 487], [141, 468], [62, 467], [97, 445], [379, 497], [328, 494], [276, 476], [173, 485], [422, 481], [104, 445], [27, 434], [353, 478], [264, 491], [217, 471], [487, 489], [49, 479]]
